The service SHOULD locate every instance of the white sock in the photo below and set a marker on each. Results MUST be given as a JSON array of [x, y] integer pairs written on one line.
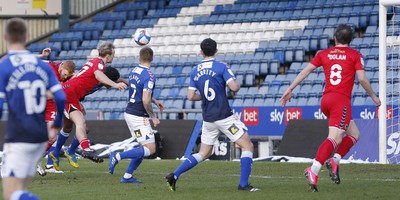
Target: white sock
[[337, 158], [127, 176], [316, 167], [118, 156]]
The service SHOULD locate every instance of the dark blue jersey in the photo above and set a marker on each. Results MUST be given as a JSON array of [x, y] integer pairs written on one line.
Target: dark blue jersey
[[210, 78], [24, 80], [140, 79]]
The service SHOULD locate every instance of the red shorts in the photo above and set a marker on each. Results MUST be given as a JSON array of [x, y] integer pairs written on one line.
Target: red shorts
[[337, 108], [72, 102]]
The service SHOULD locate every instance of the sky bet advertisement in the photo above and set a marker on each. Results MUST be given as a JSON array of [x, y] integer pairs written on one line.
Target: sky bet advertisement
[[272, 121]]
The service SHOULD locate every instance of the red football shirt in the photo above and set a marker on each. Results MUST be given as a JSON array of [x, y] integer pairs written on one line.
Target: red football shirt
[[340, 65], [86, 80]]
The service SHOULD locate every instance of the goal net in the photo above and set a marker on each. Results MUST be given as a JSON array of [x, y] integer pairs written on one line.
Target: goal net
[[389, 74]]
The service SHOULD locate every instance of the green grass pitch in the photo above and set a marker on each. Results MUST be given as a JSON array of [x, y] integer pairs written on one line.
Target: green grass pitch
[[216, 180]]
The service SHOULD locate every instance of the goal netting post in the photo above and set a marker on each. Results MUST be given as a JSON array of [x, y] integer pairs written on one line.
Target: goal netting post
[[389, 44]]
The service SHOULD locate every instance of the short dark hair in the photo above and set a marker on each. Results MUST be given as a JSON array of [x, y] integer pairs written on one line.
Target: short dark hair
[[209, 47], [146, 54], [344, 34], [112, 73], [105, 48], [16, 30]]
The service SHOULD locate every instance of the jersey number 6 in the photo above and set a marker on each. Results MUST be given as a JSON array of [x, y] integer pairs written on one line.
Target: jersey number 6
[[208, 90]]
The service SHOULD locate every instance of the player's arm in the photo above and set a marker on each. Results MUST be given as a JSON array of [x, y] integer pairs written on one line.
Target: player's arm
[[193, 95], [147, 100], [233, 85], [100, 76], [45, 53], [158, 104], [362, 78], [299, 78], [121, 80]]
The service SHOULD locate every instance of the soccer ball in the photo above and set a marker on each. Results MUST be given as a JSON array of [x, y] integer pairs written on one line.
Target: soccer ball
[[142, 37]]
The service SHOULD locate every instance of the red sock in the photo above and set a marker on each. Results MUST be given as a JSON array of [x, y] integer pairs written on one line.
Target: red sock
[[325, 150], [85, 144], [346, 144], [49, 144]]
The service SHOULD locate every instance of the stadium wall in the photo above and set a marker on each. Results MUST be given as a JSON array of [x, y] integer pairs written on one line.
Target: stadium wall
[[174, 134]]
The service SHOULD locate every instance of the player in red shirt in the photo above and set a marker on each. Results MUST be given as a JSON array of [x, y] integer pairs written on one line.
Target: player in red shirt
[[63, 71], [78, 87], [340, 64]]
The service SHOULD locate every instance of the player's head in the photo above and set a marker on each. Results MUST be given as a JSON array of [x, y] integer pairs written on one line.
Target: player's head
[[16, 31], [343, 34], [208, 47], [111, 73], [67, 69], [146, 55], [106, 51]]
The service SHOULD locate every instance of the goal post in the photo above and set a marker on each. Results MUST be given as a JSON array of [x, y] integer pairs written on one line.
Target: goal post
[[383, 126]]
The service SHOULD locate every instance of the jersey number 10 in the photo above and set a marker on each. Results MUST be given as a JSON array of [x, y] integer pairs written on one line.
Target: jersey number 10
[[31, 91]]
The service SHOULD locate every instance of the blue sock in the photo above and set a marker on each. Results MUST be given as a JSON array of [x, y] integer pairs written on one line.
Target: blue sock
[[137, 152], [49, 160], [23, 195], [62, 138], [75, 143], [133, 165], [189, 163], [246, 162]]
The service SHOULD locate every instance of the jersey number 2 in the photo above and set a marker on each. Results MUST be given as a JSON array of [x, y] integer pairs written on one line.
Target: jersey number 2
[[31, 91], [208, 90]]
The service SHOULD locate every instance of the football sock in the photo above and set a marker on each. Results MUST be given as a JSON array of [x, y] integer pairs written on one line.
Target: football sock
[[316, 167], [337, 158], [73, 146], [49, 160], [138, 152], [346, 144], [133, 165], [62, 138], [85, 144], [246, 162], [325, 151], [189, 163], [23, 195]]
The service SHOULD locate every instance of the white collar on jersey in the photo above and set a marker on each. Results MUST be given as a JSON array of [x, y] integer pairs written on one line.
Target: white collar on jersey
[[210, 59], [144, 66]]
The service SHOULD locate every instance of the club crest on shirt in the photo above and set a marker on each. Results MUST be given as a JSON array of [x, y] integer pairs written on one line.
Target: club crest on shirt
[[233, 129], [150, 84], [138, 133], [100, 66]]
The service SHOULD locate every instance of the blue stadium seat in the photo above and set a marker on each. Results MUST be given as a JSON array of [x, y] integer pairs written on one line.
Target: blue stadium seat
[[274, 66], [264, 67], [299, 54], [289, 54]]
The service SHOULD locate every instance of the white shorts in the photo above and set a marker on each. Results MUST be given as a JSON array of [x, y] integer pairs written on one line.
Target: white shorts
[[140, 128], [231, 126], [20, 159]]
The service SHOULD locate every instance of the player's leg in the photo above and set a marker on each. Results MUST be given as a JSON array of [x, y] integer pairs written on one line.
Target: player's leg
[[19, 165], [209, 135], [140, 129], [352, 135], [236, 131], [61, 139], [70, 153]]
